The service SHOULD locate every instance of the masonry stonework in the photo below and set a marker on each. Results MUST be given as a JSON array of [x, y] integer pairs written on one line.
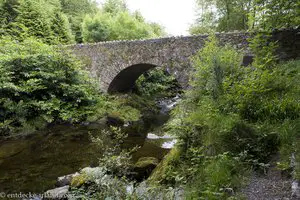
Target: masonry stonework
[[117, 64]]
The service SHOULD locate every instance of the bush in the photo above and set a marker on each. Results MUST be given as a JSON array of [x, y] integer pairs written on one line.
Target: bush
[[245, 113], [157, 83], [40, 84]]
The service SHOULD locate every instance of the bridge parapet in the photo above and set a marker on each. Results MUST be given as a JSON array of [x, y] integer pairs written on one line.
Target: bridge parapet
[[110, 62]]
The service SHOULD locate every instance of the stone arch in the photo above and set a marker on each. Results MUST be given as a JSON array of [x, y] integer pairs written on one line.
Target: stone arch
[[125, 79]]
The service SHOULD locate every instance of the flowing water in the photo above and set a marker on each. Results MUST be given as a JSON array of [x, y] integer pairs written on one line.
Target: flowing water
[[33, 163]]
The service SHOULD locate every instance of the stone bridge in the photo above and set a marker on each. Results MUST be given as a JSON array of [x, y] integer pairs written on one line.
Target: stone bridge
[[118, 64]]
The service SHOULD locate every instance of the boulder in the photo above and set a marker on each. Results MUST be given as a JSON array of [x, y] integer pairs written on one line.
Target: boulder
[[79, 180], [57, 193], [144, 166], [65, 180]]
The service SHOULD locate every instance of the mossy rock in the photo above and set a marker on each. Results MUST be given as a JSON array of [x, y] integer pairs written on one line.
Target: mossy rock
[[160, 171], [146, 161], [144, 166], [79, 180]]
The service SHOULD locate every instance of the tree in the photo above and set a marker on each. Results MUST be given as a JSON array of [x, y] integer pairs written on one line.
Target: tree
[[95, 28], [7, 11], [206, 21], [76, 10], [228, 15], [234, 14], [114, 6], [42, 19], [40, 84], [115, 22], [61, 28], [157, 29], [31, 14], [221, 15], [276, 14], [8, 15]]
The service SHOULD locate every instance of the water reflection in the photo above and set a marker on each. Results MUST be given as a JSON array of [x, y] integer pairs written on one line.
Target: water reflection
[[34, 163]]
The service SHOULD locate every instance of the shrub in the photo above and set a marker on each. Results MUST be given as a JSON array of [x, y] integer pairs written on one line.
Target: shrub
[[157, 83], [40, 84], [237, 116]]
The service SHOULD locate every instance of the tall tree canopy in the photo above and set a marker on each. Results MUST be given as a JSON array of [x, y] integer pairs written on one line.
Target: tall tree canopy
[[115, 22], [227, 15], [67, 21], [42, 19], [76, 10]]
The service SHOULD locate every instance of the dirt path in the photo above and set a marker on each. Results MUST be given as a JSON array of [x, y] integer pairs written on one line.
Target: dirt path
[[271, 186]]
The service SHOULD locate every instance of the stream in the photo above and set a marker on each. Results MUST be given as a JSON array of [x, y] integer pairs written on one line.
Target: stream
[[33, 163]]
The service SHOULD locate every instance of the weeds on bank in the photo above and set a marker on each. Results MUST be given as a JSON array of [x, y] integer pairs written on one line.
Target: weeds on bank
[[233, 119]]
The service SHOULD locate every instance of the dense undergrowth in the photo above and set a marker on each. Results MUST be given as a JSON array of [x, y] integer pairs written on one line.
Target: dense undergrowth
[[157, 83], [42, 84], [232, 120], [229, 123]]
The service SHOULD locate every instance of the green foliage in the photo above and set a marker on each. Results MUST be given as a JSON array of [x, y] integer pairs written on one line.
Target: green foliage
[[232, 117], [114, 6], [156, 83], [7, 13], [141, 104], [158, 30], [224, 15], [221, 15], [127, 27], [61, 28], [108, 180], [32, 15], [115, 160], [62, 21], [264, 48], [35, 18], [76, 10], [40, 84], [274, 14], [206, 21], [217, 177], [166, 171], [95, 28], [115, 22], [119, 107]]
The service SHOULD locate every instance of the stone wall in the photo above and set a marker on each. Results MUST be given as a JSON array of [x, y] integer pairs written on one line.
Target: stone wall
[[118, 64]]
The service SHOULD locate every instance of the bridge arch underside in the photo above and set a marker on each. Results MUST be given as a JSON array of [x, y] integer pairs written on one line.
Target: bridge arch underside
[[125, 80]]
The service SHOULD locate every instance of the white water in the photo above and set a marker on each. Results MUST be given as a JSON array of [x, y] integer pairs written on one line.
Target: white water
[[169, 145], [168, 141], [167, 105]]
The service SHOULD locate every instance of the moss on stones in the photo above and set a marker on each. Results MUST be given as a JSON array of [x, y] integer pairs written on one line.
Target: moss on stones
[[79, 180], [146, 161], [163, 167]]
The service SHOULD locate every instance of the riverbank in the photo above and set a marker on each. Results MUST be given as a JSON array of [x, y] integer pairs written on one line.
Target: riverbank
[[33, 162]]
